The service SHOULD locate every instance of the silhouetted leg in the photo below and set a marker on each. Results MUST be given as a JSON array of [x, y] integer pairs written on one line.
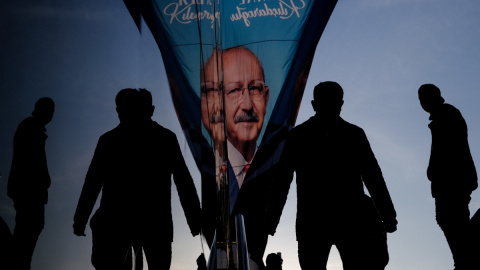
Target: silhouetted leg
[[377, 251], [110, 247], [109, 254], [351, 247], [29, 223], [257, 239], [134, 258], [453, 216], [130, 259], [313, 252], [158, 254], [363, 251], [137, 250], [361, 240]]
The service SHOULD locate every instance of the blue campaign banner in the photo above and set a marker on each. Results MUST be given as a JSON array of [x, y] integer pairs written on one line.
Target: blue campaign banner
[[283, 35], [237, 71]]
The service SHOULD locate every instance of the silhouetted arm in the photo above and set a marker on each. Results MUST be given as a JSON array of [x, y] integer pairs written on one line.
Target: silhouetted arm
[[373, 178], [90, 191], [281, 185], [186, 189]]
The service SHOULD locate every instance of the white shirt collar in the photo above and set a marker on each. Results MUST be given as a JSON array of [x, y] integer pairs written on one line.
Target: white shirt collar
[[237, 161]]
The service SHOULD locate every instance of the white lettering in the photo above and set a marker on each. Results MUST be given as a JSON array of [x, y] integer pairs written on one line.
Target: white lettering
[[285, 10], [183, 13]]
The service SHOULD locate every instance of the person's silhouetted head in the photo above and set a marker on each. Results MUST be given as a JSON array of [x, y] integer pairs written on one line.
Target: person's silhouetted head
[[274, 261], [44, 109], [327, 99], [430, 97], [128, 105], [146, 103]]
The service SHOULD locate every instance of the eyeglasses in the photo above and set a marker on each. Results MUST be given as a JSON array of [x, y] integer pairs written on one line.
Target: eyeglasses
[[211, 90], [234, 91]]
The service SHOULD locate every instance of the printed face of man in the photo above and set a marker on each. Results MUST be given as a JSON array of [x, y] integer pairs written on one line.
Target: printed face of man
[[246, 98]]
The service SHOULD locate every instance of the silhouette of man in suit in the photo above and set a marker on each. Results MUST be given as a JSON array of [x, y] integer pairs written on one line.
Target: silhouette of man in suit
[[133, 165], [333, 161], [451, 171], [29, 181]]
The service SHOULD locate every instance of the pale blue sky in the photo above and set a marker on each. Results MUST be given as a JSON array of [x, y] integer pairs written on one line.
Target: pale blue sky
[[81, 53]]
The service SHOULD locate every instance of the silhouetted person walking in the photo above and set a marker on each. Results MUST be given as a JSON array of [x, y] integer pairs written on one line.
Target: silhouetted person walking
[[133, 166], [451, 171], [29, 181], [332, 161]]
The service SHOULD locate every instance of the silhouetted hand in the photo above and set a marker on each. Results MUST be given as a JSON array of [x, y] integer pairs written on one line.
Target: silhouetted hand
[[79, 230], [196, 228], [270, 224], [195, 233], [390, 223]]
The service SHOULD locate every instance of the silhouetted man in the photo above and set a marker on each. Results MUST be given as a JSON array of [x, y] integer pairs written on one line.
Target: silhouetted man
[[332, 161], [29, 181], [451, 171], [133, 165]]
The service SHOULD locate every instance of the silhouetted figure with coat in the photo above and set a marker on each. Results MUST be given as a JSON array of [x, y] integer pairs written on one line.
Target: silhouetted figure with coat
[[133, 165], [451, 172], [333, 161], [28, 182]]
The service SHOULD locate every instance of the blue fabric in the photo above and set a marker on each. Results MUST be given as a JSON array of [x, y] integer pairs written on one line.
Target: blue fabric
[[283, 35]]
